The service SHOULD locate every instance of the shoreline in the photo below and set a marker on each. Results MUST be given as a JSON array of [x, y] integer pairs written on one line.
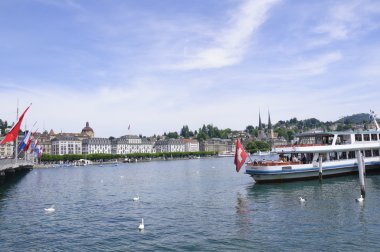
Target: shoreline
[[116, 162]]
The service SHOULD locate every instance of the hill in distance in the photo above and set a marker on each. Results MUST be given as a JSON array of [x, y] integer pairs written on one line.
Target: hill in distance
[[355, 119]]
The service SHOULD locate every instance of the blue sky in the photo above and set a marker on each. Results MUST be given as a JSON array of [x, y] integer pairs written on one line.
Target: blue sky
[[161, 64]]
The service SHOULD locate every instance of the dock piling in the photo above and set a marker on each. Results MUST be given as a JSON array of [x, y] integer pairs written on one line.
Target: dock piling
[[361, 169], [320, 168]]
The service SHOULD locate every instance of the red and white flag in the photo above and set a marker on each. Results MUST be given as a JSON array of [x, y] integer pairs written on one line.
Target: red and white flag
[[240, 156]]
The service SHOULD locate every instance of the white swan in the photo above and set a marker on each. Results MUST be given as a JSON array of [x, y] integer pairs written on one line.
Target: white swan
[[361, 199], [302, 200], [50, 209], [136, 198], [141, 226]]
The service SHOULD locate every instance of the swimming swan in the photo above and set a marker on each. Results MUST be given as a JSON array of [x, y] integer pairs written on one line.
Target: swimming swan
[[141, 226], [50, 209], [361, 199]]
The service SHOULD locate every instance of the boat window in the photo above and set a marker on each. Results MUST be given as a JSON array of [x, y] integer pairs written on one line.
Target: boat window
[[346, 139], [327, 139], [358, 137], [344, 155], [375, 153], [368, 153], [307, 140], [351, 154], [374, 137], [339, 140], [366, 137], [333, 156]]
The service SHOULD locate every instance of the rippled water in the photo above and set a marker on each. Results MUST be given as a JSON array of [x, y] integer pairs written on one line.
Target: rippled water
[[187, 205]]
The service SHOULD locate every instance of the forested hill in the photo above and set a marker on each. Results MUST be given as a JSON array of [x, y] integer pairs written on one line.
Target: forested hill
[[355, 119]]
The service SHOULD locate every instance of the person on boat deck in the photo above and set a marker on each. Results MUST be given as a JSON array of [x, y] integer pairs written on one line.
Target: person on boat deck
[[255, 161], [294, 159], [303, 159]]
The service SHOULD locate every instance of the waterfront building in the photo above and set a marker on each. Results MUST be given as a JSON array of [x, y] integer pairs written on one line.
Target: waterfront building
[[191, 145], [170, 145], [44, 140], [6, 150], [131, 144], [96, 145], [218, 145], [62, 145], [88, 131]]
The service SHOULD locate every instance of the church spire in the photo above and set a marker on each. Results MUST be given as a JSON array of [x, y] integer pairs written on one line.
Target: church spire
[[260, 125], [269, 122]]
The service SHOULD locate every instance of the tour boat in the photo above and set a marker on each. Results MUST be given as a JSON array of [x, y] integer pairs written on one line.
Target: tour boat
[[320, 154]]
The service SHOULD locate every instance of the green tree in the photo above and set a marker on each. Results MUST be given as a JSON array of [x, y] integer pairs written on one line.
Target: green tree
[[185, 132], [201, 136], [249, 128], [256, 146], [173, 135]]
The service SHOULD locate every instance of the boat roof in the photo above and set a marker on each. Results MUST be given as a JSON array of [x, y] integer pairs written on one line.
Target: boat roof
[[331, 133]]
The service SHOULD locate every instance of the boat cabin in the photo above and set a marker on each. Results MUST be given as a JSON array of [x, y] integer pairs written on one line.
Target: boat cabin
[[336, 138]]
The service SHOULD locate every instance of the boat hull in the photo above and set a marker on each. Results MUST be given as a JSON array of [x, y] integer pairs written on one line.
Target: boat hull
[[307, 172]]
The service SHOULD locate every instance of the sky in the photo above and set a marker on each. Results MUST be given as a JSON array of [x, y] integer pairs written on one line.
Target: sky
[[157, 65]]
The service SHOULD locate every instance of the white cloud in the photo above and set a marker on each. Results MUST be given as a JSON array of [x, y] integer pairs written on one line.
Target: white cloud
[[230, 43], [346, 19]]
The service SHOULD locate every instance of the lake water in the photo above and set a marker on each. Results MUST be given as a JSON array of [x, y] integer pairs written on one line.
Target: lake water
[[187, 205]]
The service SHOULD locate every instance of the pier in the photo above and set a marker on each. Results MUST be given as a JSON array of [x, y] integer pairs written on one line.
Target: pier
[[9, 167]]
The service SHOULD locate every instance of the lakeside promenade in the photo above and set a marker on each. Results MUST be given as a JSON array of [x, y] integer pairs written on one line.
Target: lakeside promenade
[[119, 161]]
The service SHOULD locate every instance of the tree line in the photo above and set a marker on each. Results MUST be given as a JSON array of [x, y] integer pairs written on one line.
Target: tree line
[[205, 132]]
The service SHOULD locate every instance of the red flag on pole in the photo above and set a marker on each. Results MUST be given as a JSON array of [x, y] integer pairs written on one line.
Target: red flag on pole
[[240, 156], [12, 135]]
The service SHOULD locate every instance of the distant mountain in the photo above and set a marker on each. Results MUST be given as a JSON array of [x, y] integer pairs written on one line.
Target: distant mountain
[[355, 119]]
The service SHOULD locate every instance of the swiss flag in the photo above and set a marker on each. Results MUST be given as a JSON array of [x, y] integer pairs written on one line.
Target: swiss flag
[[240, 155]]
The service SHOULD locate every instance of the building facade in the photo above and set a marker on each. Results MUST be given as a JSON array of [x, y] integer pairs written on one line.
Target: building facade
[[217, 145], [170, 145], [191, 145], [63, 145], [96, 145], [131, 144], [6, 150]]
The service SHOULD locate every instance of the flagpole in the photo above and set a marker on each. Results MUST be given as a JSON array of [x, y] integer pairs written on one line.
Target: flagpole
[[26, 121], [15, 147]]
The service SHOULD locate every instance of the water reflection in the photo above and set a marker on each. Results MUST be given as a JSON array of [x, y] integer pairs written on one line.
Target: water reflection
[[11, 180], [244, 215]]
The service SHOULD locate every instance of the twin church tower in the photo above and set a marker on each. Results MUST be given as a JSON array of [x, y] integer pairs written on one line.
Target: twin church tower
[[265, 133]]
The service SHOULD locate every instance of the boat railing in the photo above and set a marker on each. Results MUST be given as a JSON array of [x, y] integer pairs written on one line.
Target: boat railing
[[273, 163], [299, 145]]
